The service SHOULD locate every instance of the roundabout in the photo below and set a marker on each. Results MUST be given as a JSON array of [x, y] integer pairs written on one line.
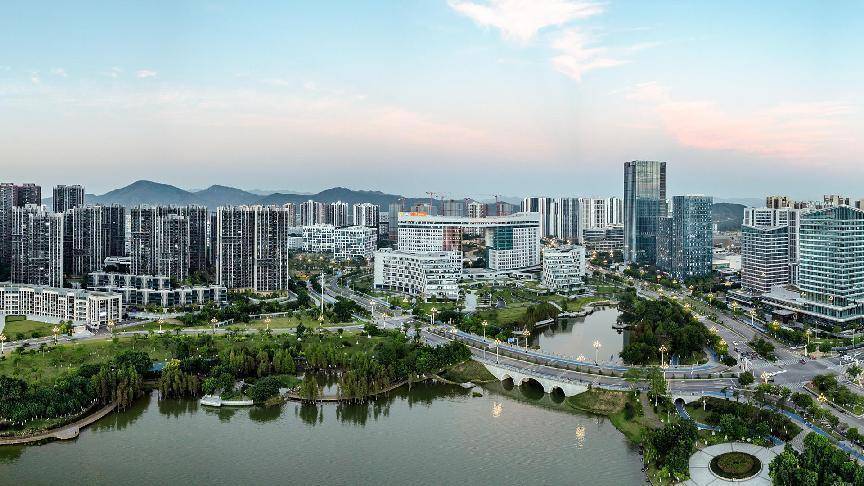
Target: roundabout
[[730, 463]]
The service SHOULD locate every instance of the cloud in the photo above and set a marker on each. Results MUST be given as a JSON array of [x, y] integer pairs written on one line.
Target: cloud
[[578, 57], [34, 78], [59, 72], [521, 20], [114, 72], [145, 73], [804, 131]]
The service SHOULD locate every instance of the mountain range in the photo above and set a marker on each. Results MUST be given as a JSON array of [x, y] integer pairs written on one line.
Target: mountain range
[[727, 215], [149, 192]]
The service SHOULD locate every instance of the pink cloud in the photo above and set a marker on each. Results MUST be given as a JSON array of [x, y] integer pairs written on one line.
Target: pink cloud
[[813, 130]]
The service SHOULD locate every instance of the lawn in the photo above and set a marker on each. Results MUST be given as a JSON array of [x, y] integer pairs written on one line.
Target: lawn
[[18, 328], [47, 364], [633, 423]]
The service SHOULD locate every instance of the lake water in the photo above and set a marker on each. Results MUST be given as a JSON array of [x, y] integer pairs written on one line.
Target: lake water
[[432, 434], [575, 336]]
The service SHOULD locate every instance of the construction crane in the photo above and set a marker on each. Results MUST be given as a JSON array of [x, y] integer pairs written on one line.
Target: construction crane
[[431, 197]]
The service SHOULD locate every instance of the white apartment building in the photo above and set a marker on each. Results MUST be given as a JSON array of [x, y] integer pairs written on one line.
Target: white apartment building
[[601, 212], [366, 214], [563, 268], [295, 242], [764, 257], [433, 274], [52, 304], [354, 241], [319, 238], [512, 242]]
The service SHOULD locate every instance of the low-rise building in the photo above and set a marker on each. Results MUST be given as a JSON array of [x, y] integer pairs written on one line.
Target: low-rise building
[[319, 238], [433, 274], [51, 304], [145, 290], [563, 268]]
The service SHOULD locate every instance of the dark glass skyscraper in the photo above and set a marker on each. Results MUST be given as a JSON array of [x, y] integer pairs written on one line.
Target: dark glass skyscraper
[[644, 205], [685, 240]]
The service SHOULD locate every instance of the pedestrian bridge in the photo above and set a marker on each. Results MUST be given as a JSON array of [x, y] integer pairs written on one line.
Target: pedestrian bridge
[[550, 383]]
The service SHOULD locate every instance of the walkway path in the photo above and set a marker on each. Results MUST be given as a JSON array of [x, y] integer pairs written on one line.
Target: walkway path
[[700, 465], [66, 432]]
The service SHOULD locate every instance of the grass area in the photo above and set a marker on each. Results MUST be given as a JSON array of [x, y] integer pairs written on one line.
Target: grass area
[[468, 371], [168, 325], [623, 409], [45, 365], [18, 327], [735, 465]]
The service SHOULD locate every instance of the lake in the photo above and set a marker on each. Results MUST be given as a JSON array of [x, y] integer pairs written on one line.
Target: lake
[[432, 434], [574, 336]]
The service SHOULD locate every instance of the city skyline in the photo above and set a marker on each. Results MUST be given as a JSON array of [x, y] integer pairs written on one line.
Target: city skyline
[[463, 96]]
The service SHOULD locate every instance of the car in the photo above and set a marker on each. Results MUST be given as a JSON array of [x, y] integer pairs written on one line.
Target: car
[[735, 343], [802, 361]]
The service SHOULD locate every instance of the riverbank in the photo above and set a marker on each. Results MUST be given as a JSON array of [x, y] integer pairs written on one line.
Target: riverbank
[[624, 410], [66, 432]]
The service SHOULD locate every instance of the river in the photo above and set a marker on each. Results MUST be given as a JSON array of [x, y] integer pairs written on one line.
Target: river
[[432, 434]]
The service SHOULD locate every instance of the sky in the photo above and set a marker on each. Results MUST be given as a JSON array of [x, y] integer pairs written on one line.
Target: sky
[[457, 97]]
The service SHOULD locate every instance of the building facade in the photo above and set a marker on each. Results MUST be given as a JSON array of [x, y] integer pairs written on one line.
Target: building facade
[[563, 268], [92, 234], [354, 242], [764, 257], [52, 304], [433, 274], [37, 246], [567, 217], [366, 214], [685, 240], [252, 247], [644, 205], [67, 197]]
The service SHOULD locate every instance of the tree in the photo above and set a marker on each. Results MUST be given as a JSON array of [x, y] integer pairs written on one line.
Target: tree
[[854, 373], [746, 378], [264, 389], [657, 382], [309, 388]]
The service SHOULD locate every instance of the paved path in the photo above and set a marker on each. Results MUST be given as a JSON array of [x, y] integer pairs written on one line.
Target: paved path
[[66, 432], [700, 465]]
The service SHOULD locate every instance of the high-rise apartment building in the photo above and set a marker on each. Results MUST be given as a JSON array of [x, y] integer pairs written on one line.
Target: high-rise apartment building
[[779, 202], [544, 206], [366, 214], [644, 205], [7, 202], [567, 220], [67, 197], [835, 200], [600, 212], [293, 218], [765, 259], [453, 207], [685, 240], [252, 247], [312, 212], [337, 214], [37, 246], [168, 240], [503, 208], [92, 234], [476, 209], [27, 194]]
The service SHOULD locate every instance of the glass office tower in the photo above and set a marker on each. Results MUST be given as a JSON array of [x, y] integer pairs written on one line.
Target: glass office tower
[[644, 205]]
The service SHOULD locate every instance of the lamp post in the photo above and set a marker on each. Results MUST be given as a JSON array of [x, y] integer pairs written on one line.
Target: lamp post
[[372, 303], [807, 347], [662, 350], [2, 343], [214, 321], [160, 322], [526, 334], [110, 326], [432, 312], [597, 345], [752, 317], [497, 343], [484, 323], [267, 323], [55, 330]]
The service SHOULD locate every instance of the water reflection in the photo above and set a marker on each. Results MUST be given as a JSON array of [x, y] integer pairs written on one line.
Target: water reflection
[[265, 414], [574, 336], [10, 454], [119, 421]]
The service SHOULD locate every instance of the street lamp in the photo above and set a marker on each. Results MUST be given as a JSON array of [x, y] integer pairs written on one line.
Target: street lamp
[[372, 303], [596, 344], [160, 321], [497, 343], [527, 334], [662, 350], [110, 326], [267, 323], [807, 347], [484, 324], [432, 312], [2, 343], [214, 321], [55, 330], [752, 317]]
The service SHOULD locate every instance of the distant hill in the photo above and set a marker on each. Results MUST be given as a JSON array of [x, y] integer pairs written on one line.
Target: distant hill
[[728, 216], [148, 192]]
